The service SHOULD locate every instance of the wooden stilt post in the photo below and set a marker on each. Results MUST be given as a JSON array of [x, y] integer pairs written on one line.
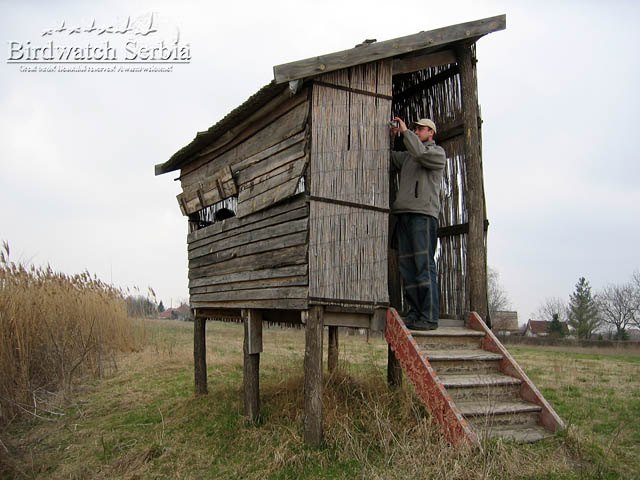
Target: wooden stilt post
[[200, 355], [394, 369], [313, 376], [476, 250], [252, 348], [332, 350]]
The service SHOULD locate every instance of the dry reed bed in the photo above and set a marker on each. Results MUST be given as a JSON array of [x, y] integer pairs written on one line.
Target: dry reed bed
[[54, 328]]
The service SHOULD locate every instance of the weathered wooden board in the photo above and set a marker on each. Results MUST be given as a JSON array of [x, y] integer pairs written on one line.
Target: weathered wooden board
[[200, 355], [254, 236], [251, 368], [232, 137], [254, 317], [356, 320], [203, 194], [286, 144], [255, 294], [477, 248], [278, 219], [280, 304], [286, 126], [412, 63], [313, 383], [275, 177], [253, 173], [332, 349], [250, 275], [267, 198], [297, 281], [250, 249], [295, 255], [235, 222], [389, 48]]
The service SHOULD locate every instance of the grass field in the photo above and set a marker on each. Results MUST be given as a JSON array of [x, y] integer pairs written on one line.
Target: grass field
[[143, 421]]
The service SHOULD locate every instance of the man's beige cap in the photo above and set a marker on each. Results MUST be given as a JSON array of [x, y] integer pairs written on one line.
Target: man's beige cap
[[425, 122]]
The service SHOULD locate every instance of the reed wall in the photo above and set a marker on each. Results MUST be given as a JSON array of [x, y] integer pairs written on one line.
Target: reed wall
[[348, 242], [435, 93]]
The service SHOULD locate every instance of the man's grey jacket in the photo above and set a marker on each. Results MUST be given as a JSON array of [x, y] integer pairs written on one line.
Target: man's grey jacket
[[421, 168]]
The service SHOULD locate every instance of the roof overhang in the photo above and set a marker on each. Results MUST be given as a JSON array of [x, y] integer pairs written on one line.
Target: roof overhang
[[366, 53]]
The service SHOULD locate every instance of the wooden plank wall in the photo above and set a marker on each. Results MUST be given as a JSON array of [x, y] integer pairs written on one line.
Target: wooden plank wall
[[256, 261], [265, 166], [350, 163]]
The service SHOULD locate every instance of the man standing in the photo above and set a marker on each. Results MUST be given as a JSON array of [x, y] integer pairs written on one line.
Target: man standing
[[417, 207]]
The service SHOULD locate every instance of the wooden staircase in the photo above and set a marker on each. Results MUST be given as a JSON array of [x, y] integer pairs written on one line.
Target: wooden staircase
[[471, 384]]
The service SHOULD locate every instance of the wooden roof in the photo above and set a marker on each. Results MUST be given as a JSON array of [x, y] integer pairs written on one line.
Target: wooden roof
[[431, 40], [424, 43]]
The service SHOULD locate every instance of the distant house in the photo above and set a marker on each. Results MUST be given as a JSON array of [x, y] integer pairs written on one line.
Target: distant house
[[537, 328], [505, 323], [540, 328], [181, 313]]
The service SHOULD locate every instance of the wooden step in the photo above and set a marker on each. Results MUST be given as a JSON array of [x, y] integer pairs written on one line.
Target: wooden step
[[461, 355], [492, 380], [482, 387], [522, 435], [462, 361], [449, 338], [475, 408], [486, 416], [449, 322], [448, 332], [465, 367], [481, 423]]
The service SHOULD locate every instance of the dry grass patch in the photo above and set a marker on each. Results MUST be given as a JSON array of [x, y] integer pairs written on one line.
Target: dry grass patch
[[598, 394], [144, 421]]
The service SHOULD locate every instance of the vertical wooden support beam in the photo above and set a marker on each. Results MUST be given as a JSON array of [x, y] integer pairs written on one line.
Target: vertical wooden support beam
[[332, 350], [477, 252], [313, 376], [252, 348], [394, 369], [200, 354]]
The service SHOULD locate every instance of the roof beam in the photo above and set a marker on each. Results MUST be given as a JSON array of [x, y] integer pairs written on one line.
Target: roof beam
[[389, 48]]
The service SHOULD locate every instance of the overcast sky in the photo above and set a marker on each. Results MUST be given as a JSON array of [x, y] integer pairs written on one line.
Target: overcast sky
[[558, 93]]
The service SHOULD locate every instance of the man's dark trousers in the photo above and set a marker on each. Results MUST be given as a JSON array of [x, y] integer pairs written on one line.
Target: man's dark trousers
[[417, 236]]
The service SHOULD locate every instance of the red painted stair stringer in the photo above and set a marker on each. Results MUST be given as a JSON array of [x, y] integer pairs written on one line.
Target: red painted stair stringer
[[549, 419], [428, 386]]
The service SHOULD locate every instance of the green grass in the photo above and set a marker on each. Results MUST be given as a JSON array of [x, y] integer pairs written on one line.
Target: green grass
[[145, 422]]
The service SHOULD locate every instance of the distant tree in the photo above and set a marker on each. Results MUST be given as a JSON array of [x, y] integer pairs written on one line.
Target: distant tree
[[635, 282], [550, 307], [618, 307], [161, 307], [556, 328], [498, 298], [139, 306], [583, 310]]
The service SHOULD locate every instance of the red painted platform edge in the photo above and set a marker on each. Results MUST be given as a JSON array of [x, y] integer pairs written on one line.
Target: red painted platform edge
[[549, 419], [428, 386]]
